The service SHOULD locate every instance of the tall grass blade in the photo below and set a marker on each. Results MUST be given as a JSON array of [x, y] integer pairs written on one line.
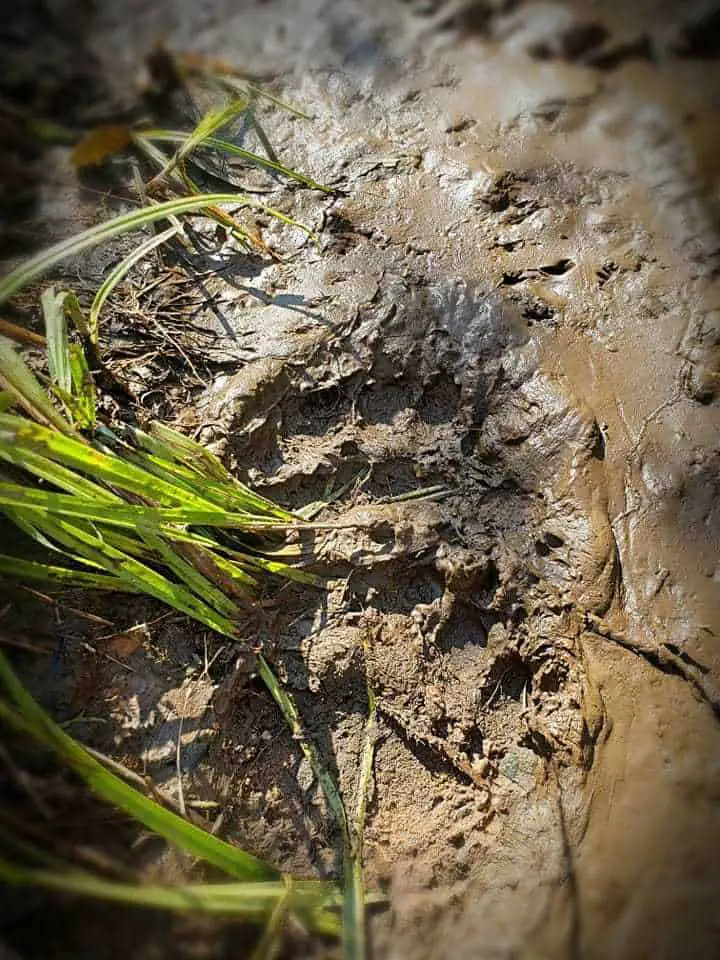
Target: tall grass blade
[[254, 91], [205, 463], [290, 711], [62, 477], [74, 311], [17, 378], [84, 397], [226, 146], [80, 456], [58, 343], [354, 921], [269, 945], [38, 265], [64, 576], [117, 275], [253, 901], [193, 579], [262, 136], [89, 545], [213, 120], [71, 379], [129, 515]]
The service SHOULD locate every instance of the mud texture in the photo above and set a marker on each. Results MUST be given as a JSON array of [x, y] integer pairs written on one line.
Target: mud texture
[[515, 303]]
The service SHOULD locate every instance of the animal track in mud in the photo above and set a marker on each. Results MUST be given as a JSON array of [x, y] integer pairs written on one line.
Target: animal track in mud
[[313, 413], [451, 609], [460, 666]]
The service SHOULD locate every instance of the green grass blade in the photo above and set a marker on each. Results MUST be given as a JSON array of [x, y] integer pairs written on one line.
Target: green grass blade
[[252, 901], [223, 488], [80, 456], [83, 389], [129, 515], [354, 922], [56, 333], [17, 378], [23, 521], [72, 307], [188, 574], [120, 272], [226, 146], [284, 570], [20, 569], [213, 120], [187, 451], [69, 372], [160, 159], [88, 545], [262, 136], [38, 265], [292, 718], [166, 444], [55, 473], [268, 946], [259, 92], [205, 463]]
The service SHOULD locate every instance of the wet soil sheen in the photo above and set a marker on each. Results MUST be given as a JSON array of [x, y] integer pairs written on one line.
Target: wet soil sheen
[[515, 300]]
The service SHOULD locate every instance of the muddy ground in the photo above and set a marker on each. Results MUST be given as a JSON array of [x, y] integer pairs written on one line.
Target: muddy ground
[[516, 300]]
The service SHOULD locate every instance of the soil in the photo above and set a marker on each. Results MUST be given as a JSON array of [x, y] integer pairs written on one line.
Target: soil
[[515, 300]]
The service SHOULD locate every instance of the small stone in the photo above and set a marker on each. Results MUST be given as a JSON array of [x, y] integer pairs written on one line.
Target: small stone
[[481, 766], [305, 776]]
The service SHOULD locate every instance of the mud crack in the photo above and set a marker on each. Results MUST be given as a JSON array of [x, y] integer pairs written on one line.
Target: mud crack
[[662, 657]]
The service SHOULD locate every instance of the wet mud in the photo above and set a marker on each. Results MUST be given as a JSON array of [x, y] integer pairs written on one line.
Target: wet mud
[[515, 303]]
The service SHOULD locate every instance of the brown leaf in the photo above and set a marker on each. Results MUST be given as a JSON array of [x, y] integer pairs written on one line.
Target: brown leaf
[[101, 143], [124, 644]]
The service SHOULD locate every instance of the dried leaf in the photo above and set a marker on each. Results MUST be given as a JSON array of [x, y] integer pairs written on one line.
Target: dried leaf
[[125, 643], [101, 143]]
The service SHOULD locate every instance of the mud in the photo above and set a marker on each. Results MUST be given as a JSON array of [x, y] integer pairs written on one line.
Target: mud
[[516, 302]]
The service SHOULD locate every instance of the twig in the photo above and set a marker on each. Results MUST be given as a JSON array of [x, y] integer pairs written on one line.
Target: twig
[[208, 663], [20, 335], [58, 604], [178, 749], [23, 645], [145, 784]]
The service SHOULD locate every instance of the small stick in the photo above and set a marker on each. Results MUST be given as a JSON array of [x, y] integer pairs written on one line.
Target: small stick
[[58, 604], [178, 748], [20, 335]]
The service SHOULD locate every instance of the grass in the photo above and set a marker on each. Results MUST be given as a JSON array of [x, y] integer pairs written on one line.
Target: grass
[[152, 512], [42, 263]]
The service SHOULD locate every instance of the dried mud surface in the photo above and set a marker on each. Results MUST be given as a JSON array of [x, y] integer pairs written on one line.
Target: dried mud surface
[[516, 300]]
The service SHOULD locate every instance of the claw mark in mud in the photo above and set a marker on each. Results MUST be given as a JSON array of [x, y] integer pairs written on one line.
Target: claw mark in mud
[[476, 774]]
